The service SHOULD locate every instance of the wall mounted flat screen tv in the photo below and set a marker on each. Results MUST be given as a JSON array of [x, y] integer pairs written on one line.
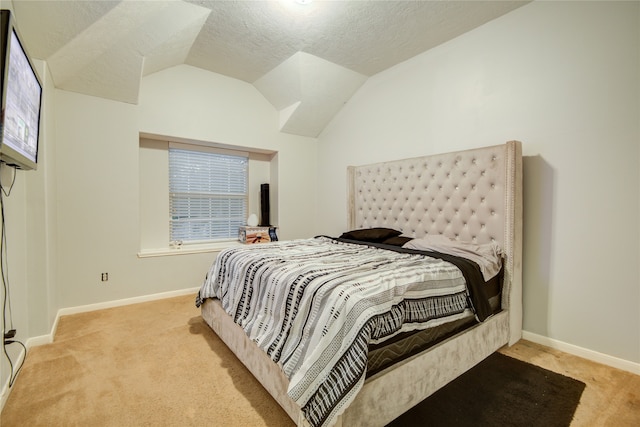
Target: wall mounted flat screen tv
[[21, 100]]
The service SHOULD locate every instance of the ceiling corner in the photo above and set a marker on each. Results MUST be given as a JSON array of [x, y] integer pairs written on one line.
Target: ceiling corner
[[308, 91]]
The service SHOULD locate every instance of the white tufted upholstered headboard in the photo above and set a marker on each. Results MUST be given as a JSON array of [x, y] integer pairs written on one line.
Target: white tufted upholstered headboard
[[473, 195]]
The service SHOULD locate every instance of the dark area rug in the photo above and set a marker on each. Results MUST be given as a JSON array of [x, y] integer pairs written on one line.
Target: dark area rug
[[499, 391]]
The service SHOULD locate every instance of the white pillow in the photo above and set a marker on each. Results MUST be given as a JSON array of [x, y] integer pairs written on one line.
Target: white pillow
[[488, 255]]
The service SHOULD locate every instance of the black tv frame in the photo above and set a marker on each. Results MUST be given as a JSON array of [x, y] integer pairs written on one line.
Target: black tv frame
[[11, 153]]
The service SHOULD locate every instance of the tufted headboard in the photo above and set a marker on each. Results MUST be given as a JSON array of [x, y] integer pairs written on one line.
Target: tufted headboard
[[473, 195]]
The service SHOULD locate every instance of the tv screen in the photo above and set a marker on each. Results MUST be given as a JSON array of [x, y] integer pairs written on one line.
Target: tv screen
[[21, 101]]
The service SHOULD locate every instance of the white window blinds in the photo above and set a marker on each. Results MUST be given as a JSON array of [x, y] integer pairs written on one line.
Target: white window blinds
[[208, 194]]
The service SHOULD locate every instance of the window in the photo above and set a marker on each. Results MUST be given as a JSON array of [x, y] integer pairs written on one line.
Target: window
[[207, 193]]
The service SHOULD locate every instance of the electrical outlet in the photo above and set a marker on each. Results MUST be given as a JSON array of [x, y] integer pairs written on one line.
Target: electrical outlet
[[105, 277]]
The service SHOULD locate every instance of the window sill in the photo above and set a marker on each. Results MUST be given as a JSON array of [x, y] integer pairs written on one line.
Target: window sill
[[187, 249]]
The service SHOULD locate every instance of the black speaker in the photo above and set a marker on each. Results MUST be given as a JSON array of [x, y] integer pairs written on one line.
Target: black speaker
[[265, 208]]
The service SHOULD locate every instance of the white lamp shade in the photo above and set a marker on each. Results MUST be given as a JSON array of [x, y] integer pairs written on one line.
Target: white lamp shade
[[252, 221]]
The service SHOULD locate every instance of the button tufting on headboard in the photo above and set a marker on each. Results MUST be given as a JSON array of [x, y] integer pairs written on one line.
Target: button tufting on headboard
[[456, 194]]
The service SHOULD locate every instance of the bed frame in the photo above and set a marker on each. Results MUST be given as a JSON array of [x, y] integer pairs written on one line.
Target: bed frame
[[473, 195]]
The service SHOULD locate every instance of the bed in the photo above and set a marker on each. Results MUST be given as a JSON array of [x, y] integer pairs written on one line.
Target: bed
[[473, 197]]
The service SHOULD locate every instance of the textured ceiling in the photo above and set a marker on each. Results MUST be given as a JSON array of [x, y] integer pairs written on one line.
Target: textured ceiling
[[307, 60]]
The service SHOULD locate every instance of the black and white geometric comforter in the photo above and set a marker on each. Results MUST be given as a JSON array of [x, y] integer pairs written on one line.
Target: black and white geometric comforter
[[314, 306]]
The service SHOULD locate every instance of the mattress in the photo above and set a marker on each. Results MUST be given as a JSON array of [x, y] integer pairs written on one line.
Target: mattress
[[402, 346]]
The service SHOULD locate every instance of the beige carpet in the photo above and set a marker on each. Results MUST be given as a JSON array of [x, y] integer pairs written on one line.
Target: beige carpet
[[150, 364], [159, 364]]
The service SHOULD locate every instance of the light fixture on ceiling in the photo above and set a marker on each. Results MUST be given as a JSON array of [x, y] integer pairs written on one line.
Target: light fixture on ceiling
[[296, 8]]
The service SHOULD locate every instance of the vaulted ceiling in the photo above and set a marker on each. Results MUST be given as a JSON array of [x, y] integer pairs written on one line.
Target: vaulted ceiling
[[306, 59]]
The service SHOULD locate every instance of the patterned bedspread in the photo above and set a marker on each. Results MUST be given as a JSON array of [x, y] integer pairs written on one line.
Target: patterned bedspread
[[314, 306]]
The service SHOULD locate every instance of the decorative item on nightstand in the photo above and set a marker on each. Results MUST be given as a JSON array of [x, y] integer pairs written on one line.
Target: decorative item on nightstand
[[248, 234], [252, 221]]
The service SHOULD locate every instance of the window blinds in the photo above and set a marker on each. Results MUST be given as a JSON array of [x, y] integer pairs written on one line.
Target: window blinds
[[208, 194]]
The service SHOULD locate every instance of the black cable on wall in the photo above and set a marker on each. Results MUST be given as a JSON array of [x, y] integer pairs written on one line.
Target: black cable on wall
[[9, 333]]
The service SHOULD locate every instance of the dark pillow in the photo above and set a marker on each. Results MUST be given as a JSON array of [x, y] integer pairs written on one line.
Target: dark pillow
[[377, 234], [397, 240]]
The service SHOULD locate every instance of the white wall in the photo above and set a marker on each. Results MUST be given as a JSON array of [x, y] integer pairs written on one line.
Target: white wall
[[562, 77], [98, 178], [197, 105]]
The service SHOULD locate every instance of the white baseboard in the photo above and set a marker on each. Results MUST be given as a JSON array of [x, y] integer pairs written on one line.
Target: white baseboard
[[594, 356], [127, 301]]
